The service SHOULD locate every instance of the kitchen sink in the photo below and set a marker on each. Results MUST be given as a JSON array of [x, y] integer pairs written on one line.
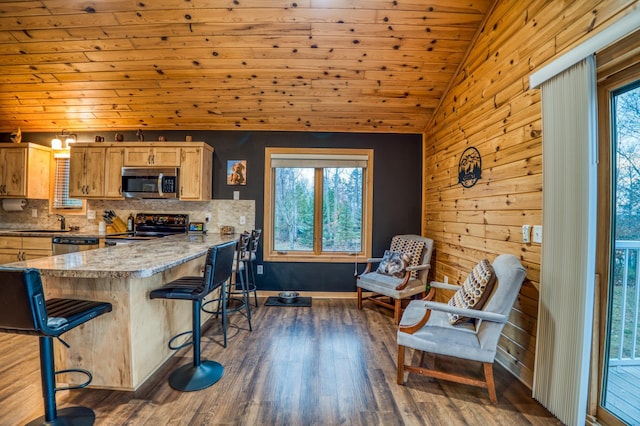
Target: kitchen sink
[[48, 231]]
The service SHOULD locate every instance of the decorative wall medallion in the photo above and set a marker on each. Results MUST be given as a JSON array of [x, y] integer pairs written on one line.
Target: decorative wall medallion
[[469, 167]]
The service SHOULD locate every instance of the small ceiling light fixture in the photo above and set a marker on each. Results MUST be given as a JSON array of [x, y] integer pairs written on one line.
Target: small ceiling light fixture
[[67, 137]]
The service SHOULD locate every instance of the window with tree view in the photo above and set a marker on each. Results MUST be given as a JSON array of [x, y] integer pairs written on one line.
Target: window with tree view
[[320, 204]]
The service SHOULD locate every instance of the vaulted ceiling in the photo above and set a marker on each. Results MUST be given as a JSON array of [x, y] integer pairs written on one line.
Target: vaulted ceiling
[[307, 65]]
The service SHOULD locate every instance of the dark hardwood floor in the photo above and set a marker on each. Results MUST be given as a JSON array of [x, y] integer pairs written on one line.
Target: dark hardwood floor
[[328, 364]]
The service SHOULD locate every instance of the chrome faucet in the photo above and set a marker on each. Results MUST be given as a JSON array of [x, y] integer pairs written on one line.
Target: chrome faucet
[[63, 222]]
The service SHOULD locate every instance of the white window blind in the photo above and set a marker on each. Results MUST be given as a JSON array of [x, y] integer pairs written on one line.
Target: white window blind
[[61, 198], [302, 160], [567, 276]]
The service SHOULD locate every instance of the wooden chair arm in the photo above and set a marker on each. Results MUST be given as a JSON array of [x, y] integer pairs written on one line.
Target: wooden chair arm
[[418, 267], [412, 328], [370, 261], [436, 284], [405, 280]]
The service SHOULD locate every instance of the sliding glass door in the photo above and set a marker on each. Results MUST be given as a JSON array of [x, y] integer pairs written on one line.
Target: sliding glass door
[[620, 392]]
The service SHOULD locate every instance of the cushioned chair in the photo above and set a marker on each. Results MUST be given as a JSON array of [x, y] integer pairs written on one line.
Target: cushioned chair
[[218, 266], [391, 290], [428, 326], [24, 310]]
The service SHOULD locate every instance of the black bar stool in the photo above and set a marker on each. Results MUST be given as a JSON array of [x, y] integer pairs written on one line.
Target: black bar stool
[[238, 294], [218, 266], [24, 310], [233, 299]]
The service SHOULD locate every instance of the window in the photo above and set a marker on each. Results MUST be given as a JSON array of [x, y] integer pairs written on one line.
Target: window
[[60, 202], [318, 204]]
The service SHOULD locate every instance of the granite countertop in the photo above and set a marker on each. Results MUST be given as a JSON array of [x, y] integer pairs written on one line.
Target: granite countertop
[[39, 232], [142, 259]]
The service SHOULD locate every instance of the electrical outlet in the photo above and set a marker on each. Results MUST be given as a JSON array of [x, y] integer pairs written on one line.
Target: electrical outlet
[[446, 279], [243, 220], [34, 212], [259, 270], [537, 234], [207, 217], [236, 195], [91, 214], [526, 233]]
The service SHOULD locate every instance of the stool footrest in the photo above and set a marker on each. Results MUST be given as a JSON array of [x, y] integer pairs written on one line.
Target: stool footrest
[[184, 345], [75, 370]]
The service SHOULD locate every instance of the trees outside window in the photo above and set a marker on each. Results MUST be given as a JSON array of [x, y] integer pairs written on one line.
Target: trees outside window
[[318, 206]]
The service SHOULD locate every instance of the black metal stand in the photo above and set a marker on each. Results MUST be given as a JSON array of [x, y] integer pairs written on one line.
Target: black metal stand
[[200, 374], [76, 416]]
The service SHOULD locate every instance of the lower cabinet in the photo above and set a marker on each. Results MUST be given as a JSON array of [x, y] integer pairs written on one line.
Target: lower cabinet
[[16, 249]]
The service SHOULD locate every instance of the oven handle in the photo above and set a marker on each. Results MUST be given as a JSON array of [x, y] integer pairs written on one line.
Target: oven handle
[[160, 177]]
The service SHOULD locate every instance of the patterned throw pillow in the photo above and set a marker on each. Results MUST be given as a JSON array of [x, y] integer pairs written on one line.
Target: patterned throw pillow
[[475, 290], [413, 248], [393, 263]]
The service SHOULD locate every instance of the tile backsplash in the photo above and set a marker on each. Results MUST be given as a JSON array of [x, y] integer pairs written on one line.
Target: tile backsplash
[[223, 212]]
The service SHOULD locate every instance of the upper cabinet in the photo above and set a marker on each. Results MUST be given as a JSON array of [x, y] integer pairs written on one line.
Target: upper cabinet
[[151, 156], [114, 160], [96, 168], [196, 173], [25, 170], [86, 172]]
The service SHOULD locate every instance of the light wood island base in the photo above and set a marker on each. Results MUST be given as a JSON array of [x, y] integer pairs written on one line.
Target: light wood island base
[[123, 348]]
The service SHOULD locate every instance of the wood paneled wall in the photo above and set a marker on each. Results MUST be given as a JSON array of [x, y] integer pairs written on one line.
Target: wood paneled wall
[[490, 106]]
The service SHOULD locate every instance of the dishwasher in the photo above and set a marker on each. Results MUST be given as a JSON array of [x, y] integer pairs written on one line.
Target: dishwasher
[[63, 245]]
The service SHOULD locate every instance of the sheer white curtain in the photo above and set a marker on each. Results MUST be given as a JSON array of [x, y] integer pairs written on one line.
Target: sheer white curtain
[[565, 315]]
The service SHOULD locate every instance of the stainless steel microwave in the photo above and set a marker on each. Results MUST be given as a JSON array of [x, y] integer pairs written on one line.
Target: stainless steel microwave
[[150, 182]]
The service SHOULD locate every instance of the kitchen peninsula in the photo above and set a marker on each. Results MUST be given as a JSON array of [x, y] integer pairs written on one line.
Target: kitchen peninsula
[[122, 349]]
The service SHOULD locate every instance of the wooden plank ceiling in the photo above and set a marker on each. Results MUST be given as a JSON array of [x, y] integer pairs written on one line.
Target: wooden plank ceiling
[[303, 65]]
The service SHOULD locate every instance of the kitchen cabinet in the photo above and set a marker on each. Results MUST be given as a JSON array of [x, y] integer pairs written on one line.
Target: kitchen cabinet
[[86, 172], [196, 173], [96, 169], [25, 170], [15, 249], [152, 156], [113, 173]]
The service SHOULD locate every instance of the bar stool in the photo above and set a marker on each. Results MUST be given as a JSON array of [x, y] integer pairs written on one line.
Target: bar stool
[[234, 299], [24, 310], [218, 265]]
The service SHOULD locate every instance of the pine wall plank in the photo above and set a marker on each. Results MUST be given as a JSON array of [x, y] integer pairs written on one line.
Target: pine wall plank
[[490, 106]]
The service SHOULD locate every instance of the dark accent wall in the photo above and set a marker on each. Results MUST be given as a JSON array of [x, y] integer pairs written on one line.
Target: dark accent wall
[[397, 195]]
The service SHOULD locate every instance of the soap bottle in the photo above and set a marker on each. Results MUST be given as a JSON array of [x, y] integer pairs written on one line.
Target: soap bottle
[[130, 223]]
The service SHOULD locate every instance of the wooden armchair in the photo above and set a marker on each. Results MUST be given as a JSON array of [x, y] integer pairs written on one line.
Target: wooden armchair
[[427, 326], [392, 283]]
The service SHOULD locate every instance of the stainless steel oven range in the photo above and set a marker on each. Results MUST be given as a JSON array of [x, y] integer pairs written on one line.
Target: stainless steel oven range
[[153, 225]]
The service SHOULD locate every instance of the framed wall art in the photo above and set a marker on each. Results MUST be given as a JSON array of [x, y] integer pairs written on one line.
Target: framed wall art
[[236, 172]]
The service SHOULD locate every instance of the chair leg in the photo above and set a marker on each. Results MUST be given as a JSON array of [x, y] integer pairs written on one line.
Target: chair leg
[[491, 385], [253, 283], [360, 298], [223, 301], [47, 370], [200, 374], [397, 309], [400, 378], [71, 415], [246, 299]]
